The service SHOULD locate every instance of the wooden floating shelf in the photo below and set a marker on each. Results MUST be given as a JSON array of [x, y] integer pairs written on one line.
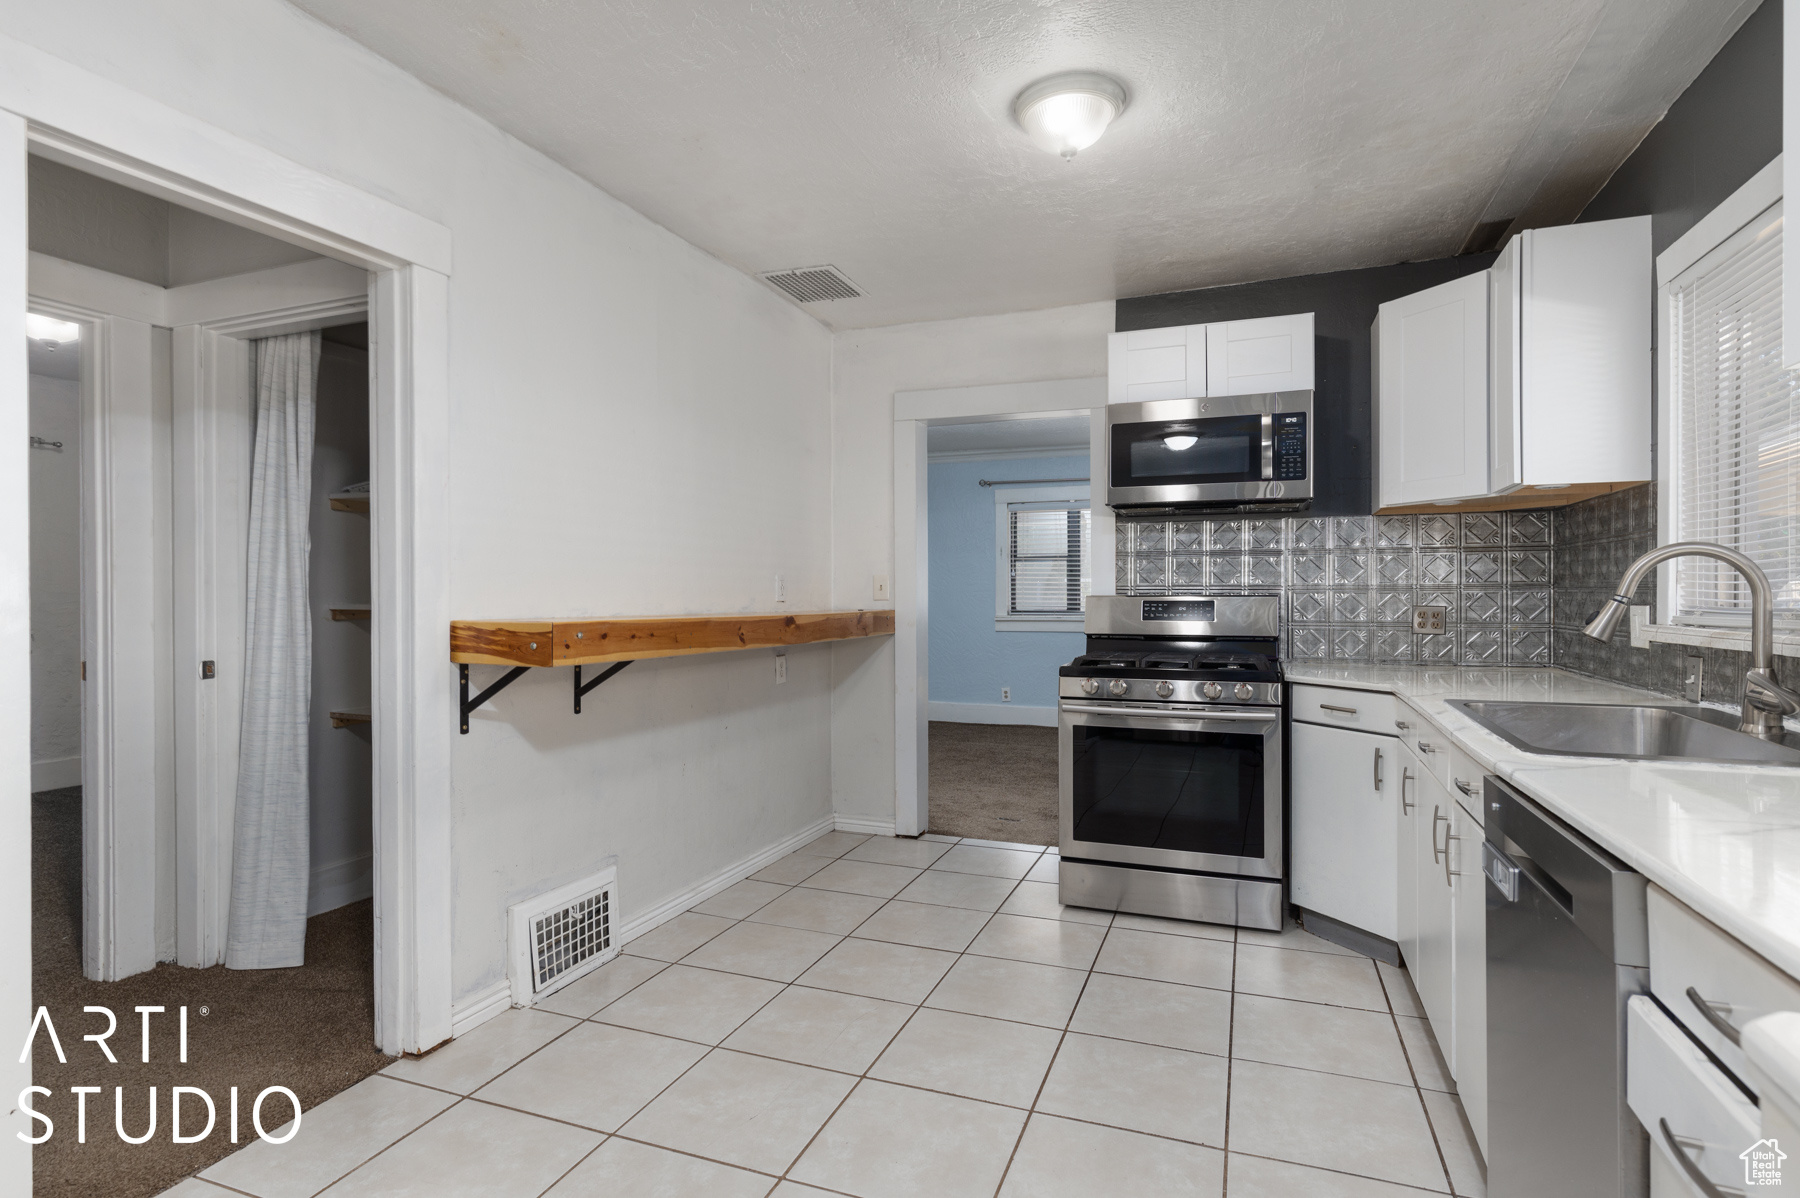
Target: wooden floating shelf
[[1512, 501], [589, 642], [350, 613], [350, 503], [343, 719]]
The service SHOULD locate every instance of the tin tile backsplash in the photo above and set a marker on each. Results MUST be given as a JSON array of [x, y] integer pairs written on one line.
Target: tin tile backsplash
[[1350, 583]]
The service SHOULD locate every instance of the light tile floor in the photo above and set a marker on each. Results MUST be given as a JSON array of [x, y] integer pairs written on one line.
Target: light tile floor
[[912, 1019]]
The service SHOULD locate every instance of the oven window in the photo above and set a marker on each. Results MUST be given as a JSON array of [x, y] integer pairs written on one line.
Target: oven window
[[1194, 792], [1162, 453]]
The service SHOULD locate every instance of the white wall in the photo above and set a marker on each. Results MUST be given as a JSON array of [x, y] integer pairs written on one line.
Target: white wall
[[56, 585], [635, 428], [869, 365]]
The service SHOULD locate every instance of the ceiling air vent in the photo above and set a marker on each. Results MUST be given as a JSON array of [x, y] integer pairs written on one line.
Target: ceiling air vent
[[559, 936], [811, 284]]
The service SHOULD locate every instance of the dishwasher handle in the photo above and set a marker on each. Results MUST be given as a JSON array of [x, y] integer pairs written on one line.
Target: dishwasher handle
[[1500, 871]]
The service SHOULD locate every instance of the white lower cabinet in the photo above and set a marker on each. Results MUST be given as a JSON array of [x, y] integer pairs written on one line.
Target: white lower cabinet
[[1433, 961], [1343, 851], [1469, 966]]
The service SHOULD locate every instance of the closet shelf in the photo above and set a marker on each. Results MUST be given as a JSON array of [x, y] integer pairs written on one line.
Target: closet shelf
[[523, 644], [351, 499], [343, 719], [362, 612]]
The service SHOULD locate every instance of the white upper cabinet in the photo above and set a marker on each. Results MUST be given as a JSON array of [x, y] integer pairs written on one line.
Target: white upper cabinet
[[1233, 357], [1156, 364], [1571, 356], [1251, 357], [1533, 374], [1431, 401]]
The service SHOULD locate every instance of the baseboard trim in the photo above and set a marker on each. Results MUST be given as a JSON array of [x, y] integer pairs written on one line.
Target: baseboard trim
[[480, 1007], [731, 875], [54, 773], [340, 884], [991, 713], [866, 824]]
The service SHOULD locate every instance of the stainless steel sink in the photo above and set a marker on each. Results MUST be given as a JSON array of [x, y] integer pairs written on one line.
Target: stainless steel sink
[[1620, 730]]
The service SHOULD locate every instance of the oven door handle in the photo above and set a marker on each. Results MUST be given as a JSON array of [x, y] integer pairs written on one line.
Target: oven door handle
[[1237, 717]]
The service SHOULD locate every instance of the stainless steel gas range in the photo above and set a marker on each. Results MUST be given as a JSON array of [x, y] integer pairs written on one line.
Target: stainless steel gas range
[[1169, 736]]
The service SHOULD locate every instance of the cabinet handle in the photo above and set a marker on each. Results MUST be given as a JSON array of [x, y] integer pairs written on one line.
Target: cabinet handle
[[1378, 769], [1465, 788], [1714, 1012], [1437, 854], [1402, 725], [1331, 707], [1426, 747], [1406, 804], [1448, 872], [1680, 1147]]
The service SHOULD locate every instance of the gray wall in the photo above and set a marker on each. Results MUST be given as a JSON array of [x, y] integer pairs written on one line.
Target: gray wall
[[1343, 304], [81, 218], [1724, 128]]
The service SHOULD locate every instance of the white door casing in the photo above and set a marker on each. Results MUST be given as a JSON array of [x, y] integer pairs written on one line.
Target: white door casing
[[98, 125], [914, 412]]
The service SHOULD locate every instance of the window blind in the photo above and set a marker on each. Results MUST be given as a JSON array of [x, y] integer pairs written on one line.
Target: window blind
[[1048, 558], [1738, 423]]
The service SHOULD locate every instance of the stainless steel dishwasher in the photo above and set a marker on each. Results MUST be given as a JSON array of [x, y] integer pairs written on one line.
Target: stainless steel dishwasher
[[1567, 945]]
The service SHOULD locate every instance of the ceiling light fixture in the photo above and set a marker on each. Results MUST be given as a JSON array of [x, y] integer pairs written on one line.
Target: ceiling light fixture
[[51, 331], [1180, 443], [1067, 113]]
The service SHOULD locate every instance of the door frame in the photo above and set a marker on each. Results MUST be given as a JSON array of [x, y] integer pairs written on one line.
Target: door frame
[[60, 111], [120, 645], [914, 413]]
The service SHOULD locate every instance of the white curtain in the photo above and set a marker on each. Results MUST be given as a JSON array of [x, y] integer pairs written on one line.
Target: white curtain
[[270, 853]]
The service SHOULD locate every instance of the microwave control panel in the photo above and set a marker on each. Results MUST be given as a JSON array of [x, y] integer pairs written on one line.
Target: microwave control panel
[[1290, 445]]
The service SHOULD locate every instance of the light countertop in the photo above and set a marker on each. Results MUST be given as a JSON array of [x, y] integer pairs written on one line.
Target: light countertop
[[1724, 839]]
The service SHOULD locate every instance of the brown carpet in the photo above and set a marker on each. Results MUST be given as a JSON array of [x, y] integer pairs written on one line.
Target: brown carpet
[[311, 1029], [994, 782]]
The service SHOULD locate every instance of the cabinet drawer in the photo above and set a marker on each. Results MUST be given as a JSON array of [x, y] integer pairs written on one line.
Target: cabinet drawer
[[1465, 782], [1430, 746], [1687, 952], [1366, 711], [1670, 1082]]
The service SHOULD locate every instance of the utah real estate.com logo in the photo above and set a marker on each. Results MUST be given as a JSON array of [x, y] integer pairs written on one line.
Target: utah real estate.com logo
[[1762, 1163], [198, 1099]]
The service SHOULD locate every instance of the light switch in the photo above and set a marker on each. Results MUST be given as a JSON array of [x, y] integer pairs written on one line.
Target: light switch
[[780, 668], [881, 587], [780, 589]]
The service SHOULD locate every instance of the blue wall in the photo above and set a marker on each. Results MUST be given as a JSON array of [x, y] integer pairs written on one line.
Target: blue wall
[[970, 661]]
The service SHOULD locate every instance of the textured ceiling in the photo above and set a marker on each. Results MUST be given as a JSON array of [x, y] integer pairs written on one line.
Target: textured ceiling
[[1265, 138]]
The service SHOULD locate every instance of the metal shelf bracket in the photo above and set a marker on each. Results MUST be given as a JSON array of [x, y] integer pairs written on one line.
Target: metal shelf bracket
[[581, 690], [468, 705]]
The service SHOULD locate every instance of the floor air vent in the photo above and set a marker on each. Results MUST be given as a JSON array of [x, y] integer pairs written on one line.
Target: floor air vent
[[810, 284], [559, 936]]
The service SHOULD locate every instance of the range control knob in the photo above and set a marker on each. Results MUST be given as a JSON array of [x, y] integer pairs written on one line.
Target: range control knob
[[1118, 687], [1091, 685], [1245, 691], [1212, 690], [1164, 689]]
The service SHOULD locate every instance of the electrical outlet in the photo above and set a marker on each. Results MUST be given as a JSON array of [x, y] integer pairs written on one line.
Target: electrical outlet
[[780, 589], [780, 668], [881, 587], [1428, 619], [1006, 694], [1696, 670]]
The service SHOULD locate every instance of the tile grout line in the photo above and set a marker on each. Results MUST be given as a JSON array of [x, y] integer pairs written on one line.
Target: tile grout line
[[1231, 1062], [1419, 1090], [917, 1007]]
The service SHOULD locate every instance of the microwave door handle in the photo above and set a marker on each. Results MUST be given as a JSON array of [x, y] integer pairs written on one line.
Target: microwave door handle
[[1268, 445]]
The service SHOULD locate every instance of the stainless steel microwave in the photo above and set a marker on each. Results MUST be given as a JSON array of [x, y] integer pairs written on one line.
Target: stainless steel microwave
[[1237, 451]]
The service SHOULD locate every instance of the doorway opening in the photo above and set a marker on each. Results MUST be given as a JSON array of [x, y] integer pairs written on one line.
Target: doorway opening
[[147, 324], [1010, 541]]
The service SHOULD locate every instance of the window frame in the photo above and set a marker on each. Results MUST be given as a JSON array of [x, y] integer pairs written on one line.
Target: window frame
[[1749, 205], [1074, 494]]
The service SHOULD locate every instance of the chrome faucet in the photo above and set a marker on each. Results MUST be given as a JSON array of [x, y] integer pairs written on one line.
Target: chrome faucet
[[1765, 700]]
